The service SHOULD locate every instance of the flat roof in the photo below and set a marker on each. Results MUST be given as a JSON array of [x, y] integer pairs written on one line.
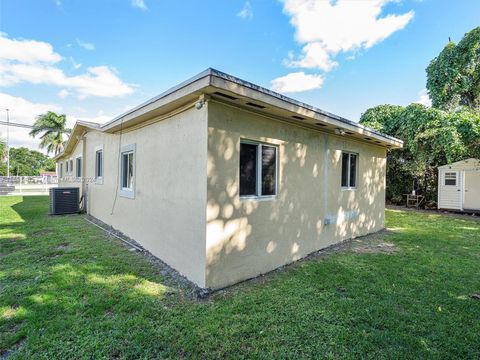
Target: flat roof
[[211, 81]]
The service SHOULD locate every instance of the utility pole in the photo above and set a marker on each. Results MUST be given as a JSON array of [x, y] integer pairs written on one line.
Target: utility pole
[[8, 144]]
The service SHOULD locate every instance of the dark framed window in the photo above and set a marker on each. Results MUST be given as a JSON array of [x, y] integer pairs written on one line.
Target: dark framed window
[[60, 170], [127, 170], [450, 179], [349, 170], [99, 164], [258, 169], [71, 166], [78, 164]]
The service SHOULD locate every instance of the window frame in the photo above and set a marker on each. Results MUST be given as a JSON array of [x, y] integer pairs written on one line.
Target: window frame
[[445, 178], [99, 179], [78, 159], [67, 168], [349, 187], [258, 195], [127, 192], [60, 170], [71, 166]]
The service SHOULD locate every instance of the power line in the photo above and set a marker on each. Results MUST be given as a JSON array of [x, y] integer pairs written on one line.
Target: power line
[[16, 124]]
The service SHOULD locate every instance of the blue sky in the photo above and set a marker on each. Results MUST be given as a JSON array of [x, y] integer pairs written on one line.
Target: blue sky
[[94, 59]]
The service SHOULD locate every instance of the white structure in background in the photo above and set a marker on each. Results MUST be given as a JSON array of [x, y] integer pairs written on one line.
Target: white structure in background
[[27, 185], [459, 185]]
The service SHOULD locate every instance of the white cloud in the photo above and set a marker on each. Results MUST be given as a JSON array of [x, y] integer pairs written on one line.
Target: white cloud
[[296, 82], [313, 56], [36, 62], [63, 93], [27, 51], [423, 98], [139, 4], [24, 112], [85, 45], [247, 12], [75, 65], [326, 28]]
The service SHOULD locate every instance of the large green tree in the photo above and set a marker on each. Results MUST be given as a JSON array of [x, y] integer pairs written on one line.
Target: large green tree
[[453, 77], [26, 162], [432, 137], [53, 130]]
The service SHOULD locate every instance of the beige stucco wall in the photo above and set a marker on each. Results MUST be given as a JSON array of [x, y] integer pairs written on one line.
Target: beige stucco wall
[[70, 179], [249, 237], [167, 215]]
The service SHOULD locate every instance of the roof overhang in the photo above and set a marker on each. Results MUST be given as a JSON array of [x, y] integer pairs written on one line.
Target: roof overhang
[[78, 130], [225, 88]]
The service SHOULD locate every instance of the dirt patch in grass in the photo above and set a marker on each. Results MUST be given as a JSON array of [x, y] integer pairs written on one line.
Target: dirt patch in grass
[[6, 353], [64, 246], [42, 232]]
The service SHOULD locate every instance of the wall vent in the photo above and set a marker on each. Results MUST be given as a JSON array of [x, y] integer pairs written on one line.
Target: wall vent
[[298, 117], [256, 105], [321, 124], [225, 95]]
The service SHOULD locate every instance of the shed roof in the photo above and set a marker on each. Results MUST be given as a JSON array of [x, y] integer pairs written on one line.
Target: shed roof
[[467, 163], [221, 87]]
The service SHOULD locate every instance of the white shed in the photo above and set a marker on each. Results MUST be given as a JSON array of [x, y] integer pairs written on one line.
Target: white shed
[[459, 185]]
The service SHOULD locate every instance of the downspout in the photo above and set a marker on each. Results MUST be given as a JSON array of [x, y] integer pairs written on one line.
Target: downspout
[[84, 167], [326, 160]]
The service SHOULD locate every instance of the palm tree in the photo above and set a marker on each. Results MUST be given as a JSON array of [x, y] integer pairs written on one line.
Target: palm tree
[[52, 127], [3, 149]]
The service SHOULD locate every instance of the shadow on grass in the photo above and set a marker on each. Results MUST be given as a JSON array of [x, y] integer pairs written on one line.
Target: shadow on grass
[[69, 292]]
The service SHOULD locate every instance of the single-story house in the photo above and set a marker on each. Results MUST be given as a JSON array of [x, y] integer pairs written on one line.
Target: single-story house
[[225, 180], [459, 186]]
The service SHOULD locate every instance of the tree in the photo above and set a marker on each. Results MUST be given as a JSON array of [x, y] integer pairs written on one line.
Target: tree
[[53, 130], [432, 137], [453, 77], [3, 150], [26, 162]]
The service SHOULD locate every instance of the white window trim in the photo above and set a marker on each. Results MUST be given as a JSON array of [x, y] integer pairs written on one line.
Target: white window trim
[[349, 188], [99, 179], [125, 192], [259, 171], [76, 167], [445, 178]]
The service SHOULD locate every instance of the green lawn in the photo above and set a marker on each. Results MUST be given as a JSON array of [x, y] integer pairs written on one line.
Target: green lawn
[[68, 291]]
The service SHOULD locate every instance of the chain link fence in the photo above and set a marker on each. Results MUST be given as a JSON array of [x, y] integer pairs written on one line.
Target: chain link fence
[[27, 185]]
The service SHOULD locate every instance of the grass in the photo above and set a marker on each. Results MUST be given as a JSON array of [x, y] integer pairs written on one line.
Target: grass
[[68, 291]]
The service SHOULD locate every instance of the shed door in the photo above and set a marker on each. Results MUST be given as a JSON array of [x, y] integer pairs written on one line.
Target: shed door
[[471, 199]]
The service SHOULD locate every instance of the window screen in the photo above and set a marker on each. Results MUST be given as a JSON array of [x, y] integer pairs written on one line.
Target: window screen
[[78, 164], [345, 166], [248, 169], [451, 179], [258, 169], [99, 164], [349, 170], [60, 171], [127, 170], [269, 169]]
